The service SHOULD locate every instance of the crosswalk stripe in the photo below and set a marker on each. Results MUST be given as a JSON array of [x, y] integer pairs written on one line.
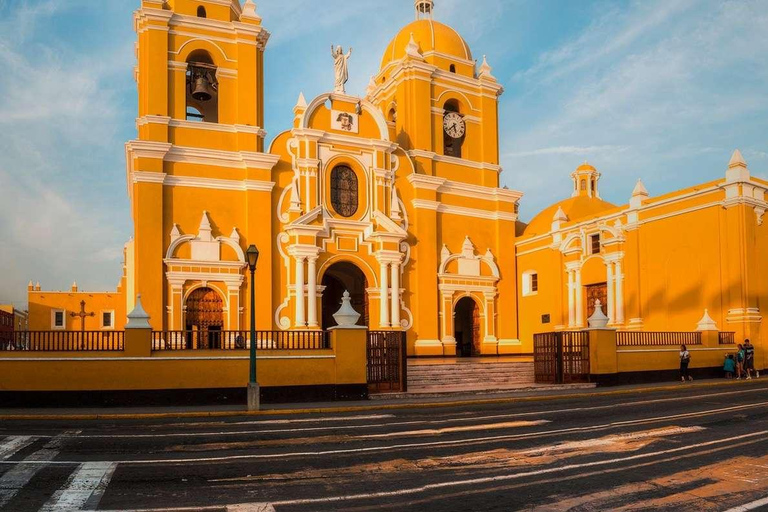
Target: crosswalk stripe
[[13, 444], [13, 480], [88, 481]]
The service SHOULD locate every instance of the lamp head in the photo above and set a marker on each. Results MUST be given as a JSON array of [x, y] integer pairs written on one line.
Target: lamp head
[[253, 257]]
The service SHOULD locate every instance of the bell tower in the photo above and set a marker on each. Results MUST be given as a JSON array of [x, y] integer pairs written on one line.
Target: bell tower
[[424, 9], [199, 75]]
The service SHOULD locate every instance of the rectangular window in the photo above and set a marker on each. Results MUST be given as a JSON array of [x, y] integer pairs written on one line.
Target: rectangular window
[[107, 319], [534, 282], [59, 320], [545, 319], [595, 243]]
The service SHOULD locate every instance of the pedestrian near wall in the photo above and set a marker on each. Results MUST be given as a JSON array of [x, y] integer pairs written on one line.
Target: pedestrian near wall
[[729, 366], [749, 358], [685, 359], [740, 362]]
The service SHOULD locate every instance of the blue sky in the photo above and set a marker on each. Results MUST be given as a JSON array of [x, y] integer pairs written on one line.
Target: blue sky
[[658, 89]]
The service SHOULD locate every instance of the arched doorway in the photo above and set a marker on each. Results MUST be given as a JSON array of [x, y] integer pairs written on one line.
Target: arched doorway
[[204, 319], [466, 327], [341, 277]]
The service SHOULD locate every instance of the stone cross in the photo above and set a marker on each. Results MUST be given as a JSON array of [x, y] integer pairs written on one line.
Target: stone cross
[[82, 314]]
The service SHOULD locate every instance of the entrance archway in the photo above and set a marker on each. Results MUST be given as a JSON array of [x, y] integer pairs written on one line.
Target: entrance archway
[[466, 327], [340, 277], [204, 319]]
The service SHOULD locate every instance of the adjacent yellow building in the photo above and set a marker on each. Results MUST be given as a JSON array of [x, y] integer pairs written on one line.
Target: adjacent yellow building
[[395, 198]]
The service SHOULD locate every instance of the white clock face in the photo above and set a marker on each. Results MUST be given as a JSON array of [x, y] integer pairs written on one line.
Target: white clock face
[[453, 124]]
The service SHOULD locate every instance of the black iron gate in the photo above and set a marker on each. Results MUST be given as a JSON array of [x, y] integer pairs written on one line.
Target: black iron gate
[[561, 357], [387, 361]]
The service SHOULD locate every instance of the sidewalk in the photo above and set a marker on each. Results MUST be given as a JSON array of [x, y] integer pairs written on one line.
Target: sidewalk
[[401, 402]]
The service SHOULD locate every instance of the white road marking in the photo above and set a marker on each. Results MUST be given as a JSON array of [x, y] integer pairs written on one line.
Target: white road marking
[[469, 441], [81, 485], [383, 416], [463, 428], [516, 476], [749, 506], [13, 444], [17, 477]]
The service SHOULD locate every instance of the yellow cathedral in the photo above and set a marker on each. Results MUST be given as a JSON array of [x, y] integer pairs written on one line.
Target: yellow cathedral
[[395, 198]]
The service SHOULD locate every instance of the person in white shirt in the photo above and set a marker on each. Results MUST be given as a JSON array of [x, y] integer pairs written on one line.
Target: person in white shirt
[[685, 359]]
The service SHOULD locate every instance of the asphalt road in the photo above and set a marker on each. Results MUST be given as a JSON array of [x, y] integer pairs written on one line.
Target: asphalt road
[[688, 449]]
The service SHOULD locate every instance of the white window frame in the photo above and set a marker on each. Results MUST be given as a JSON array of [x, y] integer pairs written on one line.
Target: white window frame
[[527, 283], [111, 325], [62, 327]]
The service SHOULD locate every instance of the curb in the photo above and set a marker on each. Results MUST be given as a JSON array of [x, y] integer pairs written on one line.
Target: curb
[[364, 408]]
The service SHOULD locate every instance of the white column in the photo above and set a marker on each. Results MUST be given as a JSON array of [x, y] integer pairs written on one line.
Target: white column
[[384, 296], [611, 299], [395, 295], [300, 321], [579, 300], [619, 294], [312, 292], [571, 305]]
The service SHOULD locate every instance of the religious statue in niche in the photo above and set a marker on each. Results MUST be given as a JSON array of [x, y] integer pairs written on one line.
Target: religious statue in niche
[[341, 67]]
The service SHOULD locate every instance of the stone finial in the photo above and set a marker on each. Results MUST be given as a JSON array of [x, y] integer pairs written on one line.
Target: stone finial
[[30, 286], [412, 49], [737, 168], [138, 318], [560, 215], [346, 316], [249, 11], [445, 253], [175, 233], [295, 198], [467, 248], [395, 205], [371, 86], [301, 102], [235, 235], [37, 286], [485, 71], [639, 194], [74, 286], [706, 323], [204, 232], [598, 320]]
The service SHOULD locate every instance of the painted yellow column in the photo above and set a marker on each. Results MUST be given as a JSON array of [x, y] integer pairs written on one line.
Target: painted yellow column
[[312, 292], [395, 295], [579, 299], [383, 296], [619, 294], [299, 319], [611, 297]]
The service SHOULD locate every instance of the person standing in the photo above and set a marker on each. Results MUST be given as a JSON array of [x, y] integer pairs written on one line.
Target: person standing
[[739, 362], [749, 358], [685, 359]]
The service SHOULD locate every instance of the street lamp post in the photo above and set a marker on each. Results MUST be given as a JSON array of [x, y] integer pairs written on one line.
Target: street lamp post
[[253, 387]]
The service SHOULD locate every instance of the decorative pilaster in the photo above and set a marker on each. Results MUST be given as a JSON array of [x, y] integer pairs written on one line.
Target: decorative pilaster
[[571, 305], [579, 299], [312, 291], [611, 296], [395, 295], [299, 319], [619, 295], [384, 295]]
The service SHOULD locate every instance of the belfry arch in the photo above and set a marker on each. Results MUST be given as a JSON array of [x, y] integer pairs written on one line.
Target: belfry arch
[[338, 278]]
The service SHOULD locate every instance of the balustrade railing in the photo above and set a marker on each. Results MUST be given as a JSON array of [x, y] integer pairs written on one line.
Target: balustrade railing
[[727, 338], [656, 339], [62, 341], [240, 340]]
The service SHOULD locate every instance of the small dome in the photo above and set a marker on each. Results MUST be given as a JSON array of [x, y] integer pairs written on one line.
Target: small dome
[[431, 36], [575, 208], [585, 167]]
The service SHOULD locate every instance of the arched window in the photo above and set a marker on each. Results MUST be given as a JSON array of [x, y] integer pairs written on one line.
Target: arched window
[[344, 190], [201, 12], [202, 87], [583, 184], [193, 114], [452, 68]]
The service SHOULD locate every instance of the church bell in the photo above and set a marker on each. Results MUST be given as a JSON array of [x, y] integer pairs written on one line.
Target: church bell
[[202, 90]]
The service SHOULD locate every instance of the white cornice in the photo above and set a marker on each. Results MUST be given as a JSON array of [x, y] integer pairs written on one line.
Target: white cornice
[[418, 153], [462, 210], [241, 160], [147, 177], [219, 184]]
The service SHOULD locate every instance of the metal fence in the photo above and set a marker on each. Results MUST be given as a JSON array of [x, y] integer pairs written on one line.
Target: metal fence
[[561, 357], [62, 341], [656, 339], [240, 340], [727, 338]]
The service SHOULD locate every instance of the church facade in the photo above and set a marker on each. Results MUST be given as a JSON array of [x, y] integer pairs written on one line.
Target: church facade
[[394, 197]]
